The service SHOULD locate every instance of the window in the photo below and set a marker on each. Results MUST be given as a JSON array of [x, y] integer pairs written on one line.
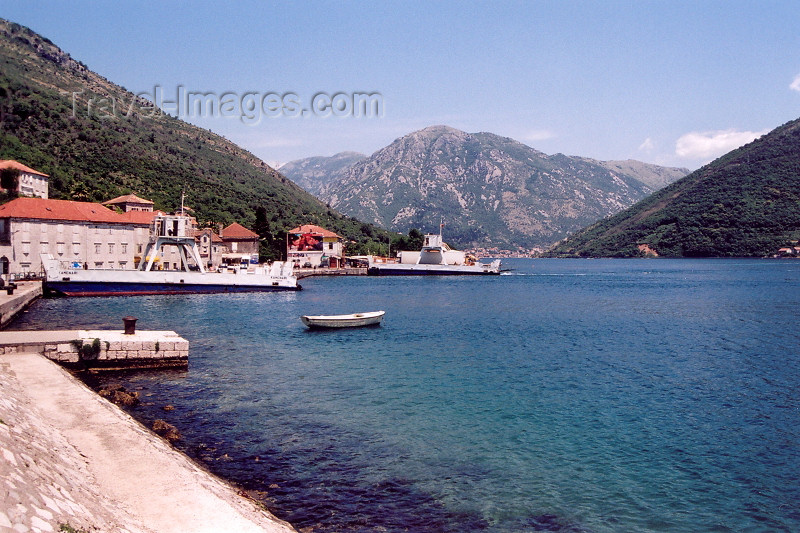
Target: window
[[97, 247], [60, 247], [124, 247], [111, 248], [26, 248]]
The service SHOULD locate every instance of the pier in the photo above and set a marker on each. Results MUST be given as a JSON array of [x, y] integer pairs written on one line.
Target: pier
[[15, 300], [308, 272], [101, 349]]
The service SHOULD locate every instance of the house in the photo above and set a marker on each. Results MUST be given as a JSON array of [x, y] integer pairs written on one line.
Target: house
[[130, 202], [29, 182], [80, 232], [310, 245], [210, 246]]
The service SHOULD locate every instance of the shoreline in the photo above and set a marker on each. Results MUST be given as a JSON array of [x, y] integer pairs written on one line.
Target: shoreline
[[74, 458]]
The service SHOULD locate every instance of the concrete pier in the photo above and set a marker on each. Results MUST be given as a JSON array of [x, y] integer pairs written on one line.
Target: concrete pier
[[13, 304], [70, 458], [101, 349]]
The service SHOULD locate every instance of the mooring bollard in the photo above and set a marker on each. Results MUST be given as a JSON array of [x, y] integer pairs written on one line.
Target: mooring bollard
[[130, 325]]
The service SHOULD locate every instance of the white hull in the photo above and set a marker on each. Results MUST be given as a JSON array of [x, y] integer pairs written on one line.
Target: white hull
[[343, 321], [78, 282], [400, 269]]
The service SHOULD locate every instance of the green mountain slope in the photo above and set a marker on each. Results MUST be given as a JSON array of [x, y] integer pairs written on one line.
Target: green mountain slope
[[57, 116], [744, 204]]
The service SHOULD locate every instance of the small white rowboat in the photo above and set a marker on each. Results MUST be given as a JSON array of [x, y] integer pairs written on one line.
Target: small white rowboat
[[343, 321]]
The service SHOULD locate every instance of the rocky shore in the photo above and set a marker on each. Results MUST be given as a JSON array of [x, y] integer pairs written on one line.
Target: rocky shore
[[72, 461]]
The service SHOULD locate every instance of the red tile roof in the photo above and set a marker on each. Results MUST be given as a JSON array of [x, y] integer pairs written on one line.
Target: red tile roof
[[39, 208], [144, 218], [128, 198], [214, 236], [313, 230], [9, 163], [237, 231]]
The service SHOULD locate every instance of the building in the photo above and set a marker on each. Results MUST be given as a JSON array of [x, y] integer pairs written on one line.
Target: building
[[93, 236], [30, 182], [84, 233], [313, 246], [130, 202], [211, 247]]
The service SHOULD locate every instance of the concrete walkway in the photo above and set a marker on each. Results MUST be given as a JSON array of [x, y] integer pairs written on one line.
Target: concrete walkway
[[136, 471]]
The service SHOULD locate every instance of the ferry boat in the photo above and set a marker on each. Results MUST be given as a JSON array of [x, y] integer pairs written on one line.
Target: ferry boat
[[435, 258], [69, 279]]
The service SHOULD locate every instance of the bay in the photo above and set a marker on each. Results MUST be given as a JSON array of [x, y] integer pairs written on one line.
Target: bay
[[567, 395]]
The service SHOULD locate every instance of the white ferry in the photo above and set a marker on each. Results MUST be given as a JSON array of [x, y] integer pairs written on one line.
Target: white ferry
[[167, 230], [435, 258]]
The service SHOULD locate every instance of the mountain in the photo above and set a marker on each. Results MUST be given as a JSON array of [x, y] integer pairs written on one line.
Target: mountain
[[97, 141], [313, 173], [488, 190], [744, 204]]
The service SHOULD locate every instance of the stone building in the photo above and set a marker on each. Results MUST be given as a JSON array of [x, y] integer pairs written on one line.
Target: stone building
[[30, 182]]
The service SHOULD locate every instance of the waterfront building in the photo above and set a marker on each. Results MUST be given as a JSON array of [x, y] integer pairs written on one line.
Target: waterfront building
[[85, 233], [30, 182], [312, 246], [90, 235]]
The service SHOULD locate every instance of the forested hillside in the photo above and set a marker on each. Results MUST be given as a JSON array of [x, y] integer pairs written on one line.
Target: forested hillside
[[744, 204], [96, 140]]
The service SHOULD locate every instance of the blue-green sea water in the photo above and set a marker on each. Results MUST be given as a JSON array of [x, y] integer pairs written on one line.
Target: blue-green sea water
[[579, 396]]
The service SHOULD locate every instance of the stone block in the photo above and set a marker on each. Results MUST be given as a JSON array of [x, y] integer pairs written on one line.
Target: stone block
[[166, 346], [50, 348], [182, 346], [149, 345]]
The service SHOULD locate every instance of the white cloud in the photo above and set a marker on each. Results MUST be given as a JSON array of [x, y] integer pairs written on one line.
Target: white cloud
[[647, 146], [708, 145], [795, 86], [537, 135]]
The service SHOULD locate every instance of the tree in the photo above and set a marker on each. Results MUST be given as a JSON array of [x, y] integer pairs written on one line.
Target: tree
[[9, 180]]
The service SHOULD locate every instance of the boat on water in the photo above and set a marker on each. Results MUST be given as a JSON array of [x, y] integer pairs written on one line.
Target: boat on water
[[70, 279], [435, 258], [355, 320]]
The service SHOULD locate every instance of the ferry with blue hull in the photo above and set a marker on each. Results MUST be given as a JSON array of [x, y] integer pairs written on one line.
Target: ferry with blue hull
[[167, 230]]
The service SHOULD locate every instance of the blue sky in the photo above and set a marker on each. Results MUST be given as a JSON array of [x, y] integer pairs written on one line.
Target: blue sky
[[669, 82]]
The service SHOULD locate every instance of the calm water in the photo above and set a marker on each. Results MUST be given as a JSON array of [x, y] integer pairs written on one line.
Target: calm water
[[585, 396]]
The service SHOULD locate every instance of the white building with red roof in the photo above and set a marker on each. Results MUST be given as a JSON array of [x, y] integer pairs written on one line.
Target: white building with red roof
[[92, 235], [80, 232], [313, 246], [130, 202], [30, 182]]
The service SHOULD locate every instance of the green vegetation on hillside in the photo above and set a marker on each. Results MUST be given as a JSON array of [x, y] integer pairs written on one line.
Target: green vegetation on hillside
[[744, 204], [55, 116]]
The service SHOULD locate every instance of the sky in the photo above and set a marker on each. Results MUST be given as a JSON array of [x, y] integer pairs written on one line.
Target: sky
[[675, 83]]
